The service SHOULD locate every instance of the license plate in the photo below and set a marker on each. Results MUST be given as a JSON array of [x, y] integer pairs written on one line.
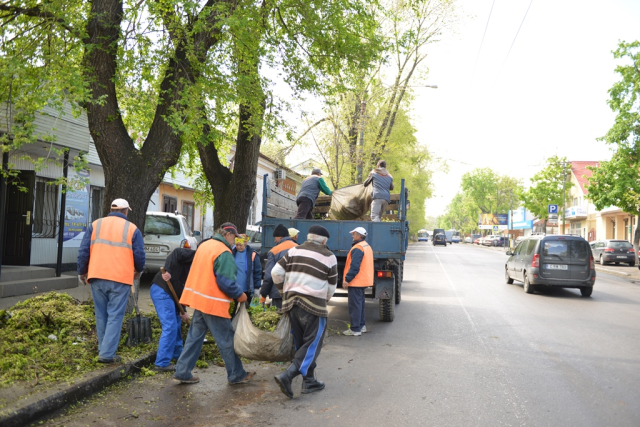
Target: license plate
[[154, 249], [622, 256], [556, 267]]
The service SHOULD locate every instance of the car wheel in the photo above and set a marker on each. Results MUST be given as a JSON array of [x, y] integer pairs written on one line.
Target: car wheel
[[528, 287], [601, 260], [507, 278], [586, 291]]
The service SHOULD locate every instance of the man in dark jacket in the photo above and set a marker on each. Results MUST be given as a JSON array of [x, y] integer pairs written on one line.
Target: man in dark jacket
[[382, 185], [309, 192], [177, 266], [283, 244], [249, 276]]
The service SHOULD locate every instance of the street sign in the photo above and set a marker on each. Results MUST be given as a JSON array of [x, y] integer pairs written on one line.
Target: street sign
[[496, 228], [553, 209], [553, 218]]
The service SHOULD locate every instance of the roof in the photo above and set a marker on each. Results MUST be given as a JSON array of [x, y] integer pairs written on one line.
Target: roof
[[581, 173]]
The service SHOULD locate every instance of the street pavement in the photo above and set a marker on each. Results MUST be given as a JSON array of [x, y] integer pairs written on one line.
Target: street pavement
[[465, 349]]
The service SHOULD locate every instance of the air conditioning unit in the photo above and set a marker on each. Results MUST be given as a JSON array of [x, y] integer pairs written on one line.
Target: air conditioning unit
[[280, 175]]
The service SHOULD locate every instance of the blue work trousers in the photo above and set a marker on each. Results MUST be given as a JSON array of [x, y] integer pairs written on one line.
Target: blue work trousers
[[356, 307], [220, 328], [110, 301], [170, 344]]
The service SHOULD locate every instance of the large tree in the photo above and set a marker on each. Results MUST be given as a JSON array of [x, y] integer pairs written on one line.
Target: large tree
[[548, 186], [617, 182], [159, 77], [489, 191]]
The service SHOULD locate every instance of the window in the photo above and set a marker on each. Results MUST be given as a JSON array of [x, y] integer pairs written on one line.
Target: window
[[45, 224], [532, 245], [555, 247], [579, 250], [169, 204], [97, 199], [188, 210], [162, 225], [519, 248]]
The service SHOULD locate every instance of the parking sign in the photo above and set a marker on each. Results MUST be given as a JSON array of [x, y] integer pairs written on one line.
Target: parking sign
[[553, 209]]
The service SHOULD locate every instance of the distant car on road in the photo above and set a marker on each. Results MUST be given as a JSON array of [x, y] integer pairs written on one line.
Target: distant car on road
[[613, 251], [467, 239], [478, 241], [488, 240], [440, 239], [552, 261]]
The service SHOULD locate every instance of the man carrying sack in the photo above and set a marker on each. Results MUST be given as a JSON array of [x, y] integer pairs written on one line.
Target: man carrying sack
[[311, 272], [111, 255], [210, 288], [177, 266], [358, 275]]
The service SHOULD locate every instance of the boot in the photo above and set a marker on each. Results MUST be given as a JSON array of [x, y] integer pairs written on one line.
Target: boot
[[284, 380], [310, 383]]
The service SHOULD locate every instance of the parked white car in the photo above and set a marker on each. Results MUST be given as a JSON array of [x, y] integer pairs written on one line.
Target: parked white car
[[164, 232], [467, 239]]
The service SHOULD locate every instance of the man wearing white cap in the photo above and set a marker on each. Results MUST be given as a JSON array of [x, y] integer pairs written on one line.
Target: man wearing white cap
[[111, 255], [358, 275]]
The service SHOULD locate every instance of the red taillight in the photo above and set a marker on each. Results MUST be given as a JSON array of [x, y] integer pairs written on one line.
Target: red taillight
[[385, 274], [608, 249], [592, 263], [536, 261], [631, 250]]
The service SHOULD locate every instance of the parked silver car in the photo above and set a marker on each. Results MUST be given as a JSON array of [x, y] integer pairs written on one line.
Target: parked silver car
[[164, 232], [614, 251]]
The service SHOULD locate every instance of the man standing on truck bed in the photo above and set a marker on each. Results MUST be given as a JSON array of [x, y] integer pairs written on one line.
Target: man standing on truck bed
[[311, 188], [307, 277], [283, 244], [382, 186], [358, 275]]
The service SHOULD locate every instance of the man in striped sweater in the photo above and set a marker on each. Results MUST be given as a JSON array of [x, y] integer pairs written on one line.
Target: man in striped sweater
[[306, 277]]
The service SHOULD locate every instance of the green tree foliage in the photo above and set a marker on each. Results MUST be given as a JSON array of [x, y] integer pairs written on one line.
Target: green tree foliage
[[617, 182], [461, 214], [489, 191], [547, 188], [159, 78]]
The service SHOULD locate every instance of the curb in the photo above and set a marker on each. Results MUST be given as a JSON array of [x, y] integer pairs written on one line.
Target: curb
[[36, 410], [614, 272]]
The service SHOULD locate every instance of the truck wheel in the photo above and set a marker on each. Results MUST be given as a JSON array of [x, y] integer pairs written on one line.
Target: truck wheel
[[386, 308]]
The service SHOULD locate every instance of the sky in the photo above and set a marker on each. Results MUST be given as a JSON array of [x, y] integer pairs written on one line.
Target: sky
[[547, 97]]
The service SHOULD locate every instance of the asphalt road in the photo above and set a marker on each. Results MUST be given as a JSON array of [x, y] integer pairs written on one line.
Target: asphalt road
[[465, 349]]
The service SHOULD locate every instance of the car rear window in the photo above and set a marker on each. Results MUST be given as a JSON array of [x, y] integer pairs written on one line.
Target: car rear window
[[556, 247], [580, 251], [620, 245], [162, 225]]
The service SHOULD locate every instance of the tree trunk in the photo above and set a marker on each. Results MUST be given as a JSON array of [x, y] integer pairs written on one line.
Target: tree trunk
[[353, 139], [234, 191]]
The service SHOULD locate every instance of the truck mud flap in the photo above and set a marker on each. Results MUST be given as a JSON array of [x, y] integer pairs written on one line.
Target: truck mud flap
[[384, 287]]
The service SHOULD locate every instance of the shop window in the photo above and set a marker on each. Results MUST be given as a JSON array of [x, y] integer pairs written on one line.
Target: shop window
[[97, 202], [188, 209], [45, 223]]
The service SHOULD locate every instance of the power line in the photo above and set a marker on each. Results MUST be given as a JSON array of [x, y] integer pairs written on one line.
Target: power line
[[482, 42], [514, 39]]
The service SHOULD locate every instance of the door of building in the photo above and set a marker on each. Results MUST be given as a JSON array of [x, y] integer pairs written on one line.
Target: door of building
[[18, 220]]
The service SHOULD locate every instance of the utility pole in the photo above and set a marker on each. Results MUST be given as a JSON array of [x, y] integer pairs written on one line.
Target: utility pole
[[564, 195], [363, 107], [511, 217]]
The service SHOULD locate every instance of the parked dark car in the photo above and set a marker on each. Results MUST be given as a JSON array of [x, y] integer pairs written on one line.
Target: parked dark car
[[500, 241], [440, 239], [552, 261], [615, 251]]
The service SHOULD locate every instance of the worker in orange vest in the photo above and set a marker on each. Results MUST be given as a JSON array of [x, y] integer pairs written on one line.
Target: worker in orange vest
[[110, 257], [210, 288], [358, 275], [283, 243]]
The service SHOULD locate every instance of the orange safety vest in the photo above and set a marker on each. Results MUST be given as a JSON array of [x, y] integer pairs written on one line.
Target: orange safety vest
[[111, 253], [201, 292], [284, 246], [364, 278]]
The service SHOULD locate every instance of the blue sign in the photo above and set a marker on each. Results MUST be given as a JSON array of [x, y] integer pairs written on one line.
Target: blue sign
[[521, 219], [553, 209], [77, 211]]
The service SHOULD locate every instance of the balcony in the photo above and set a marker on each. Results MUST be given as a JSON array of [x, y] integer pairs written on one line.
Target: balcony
[[576, 212]]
